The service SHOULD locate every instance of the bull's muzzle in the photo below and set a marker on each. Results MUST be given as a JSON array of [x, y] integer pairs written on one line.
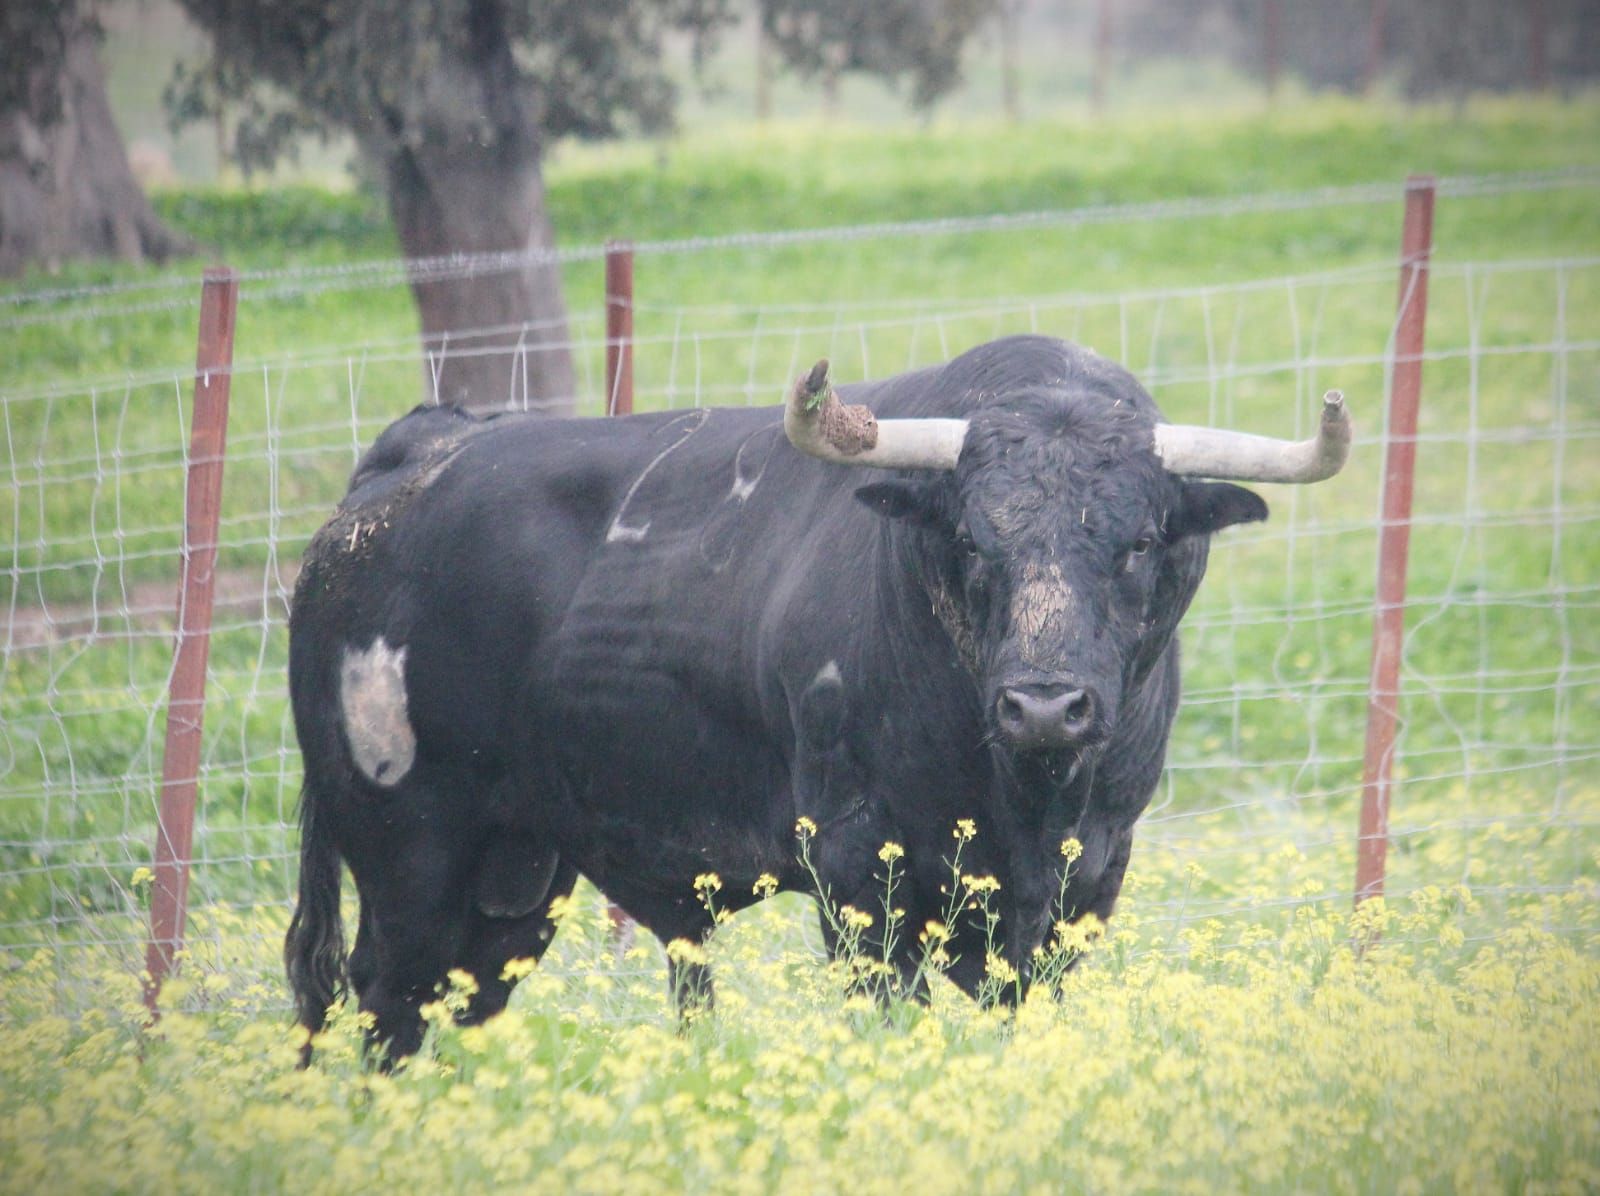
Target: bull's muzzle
[[1047, 716]]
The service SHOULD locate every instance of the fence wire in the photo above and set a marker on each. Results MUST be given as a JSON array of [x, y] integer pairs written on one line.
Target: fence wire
[[1500, 735]]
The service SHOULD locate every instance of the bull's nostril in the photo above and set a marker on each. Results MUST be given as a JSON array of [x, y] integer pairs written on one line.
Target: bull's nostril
[[1010, 711], [1077, 708]]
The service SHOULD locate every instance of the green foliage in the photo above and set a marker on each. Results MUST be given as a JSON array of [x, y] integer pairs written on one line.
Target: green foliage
[[512, 75], [825, 38]]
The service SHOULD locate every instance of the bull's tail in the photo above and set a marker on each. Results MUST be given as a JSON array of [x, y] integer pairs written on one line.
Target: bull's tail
[[313, 950]]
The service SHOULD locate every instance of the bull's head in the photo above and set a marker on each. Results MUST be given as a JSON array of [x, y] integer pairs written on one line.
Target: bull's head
[[1068, 534]]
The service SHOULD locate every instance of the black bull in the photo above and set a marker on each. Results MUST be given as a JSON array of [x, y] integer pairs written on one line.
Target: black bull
[[641, 650]]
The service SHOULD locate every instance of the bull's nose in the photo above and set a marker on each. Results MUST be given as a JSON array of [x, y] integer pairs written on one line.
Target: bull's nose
[[1044, 716]]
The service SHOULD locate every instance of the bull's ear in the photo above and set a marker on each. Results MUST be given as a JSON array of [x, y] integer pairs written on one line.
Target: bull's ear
[[911, 501], [1211, 506]]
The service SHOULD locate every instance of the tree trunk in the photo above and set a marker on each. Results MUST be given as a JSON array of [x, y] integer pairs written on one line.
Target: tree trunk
[[1101, 77], [496, 333], [1271, 44], [763, 69], [1010, 71], [65, 187], [1376, 22], [464, 179]]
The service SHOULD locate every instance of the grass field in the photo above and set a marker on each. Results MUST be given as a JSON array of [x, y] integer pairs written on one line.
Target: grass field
[[1223, 1035]]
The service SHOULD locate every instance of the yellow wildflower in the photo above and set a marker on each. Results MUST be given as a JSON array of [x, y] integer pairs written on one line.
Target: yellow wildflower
[[854, 918], [516, 969], [999, 969], [682, 951]]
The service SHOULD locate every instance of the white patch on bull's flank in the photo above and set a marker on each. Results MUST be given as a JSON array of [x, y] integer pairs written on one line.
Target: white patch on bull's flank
[[620, 532], [1040, 606], [372, 699], [829, 673]]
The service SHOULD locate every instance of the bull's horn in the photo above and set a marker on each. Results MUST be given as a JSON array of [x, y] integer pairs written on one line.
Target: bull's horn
[[1210, 453], [818, 424]]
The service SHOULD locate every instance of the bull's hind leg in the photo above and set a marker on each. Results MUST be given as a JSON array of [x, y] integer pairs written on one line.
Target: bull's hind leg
[[406, 943], [502, 932], [437, 906]]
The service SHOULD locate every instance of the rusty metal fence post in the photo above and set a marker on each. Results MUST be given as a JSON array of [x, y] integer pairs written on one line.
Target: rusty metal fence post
[[619, 328], [180, 767], [1394, 537], [619, 401]]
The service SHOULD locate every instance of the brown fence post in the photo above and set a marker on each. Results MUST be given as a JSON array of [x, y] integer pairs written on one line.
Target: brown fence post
[[1394, 537], [619, 328], [619, 401], [180, 767]]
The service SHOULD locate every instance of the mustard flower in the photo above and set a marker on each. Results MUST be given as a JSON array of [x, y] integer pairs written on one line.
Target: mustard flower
[[854, 918], [518, 968]]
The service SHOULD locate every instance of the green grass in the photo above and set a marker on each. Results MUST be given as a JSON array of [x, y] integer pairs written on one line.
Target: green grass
[[1244, 864], [95, 458]]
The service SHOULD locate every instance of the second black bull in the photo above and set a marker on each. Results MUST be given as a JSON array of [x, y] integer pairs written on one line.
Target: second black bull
[[639, 650]]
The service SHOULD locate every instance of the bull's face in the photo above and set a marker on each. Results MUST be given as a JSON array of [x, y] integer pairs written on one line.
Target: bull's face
[[1061, 555]]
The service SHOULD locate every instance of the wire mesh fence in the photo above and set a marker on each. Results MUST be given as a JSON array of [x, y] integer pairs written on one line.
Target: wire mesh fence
[[1500, 739]]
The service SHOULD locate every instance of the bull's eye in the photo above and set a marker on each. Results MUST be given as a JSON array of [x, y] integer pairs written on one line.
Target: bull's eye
[[1141, 546]]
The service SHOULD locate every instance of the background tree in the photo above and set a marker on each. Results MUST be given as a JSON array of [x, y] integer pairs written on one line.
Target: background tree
[[452, 103], [65, 187], [1430, 47], [916, 39]]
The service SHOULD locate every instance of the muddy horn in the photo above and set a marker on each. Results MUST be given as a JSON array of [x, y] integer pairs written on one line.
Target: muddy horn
[[1235, 456], [818, 424]]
